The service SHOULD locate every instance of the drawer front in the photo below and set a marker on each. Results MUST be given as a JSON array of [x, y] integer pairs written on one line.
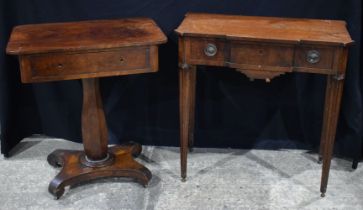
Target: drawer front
[[314, 57], [262, 56], [48, 67], [205, 51]]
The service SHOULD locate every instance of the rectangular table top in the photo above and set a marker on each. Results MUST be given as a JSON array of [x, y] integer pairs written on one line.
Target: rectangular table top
[[294, 30], [84, 35]]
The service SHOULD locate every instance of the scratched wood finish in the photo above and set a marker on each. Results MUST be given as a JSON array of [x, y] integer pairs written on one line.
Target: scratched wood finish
[[66, 66], [74, 171], [83, 36], [281, 30], [266, 56], [75, 50], [88, 50], [263, 48]]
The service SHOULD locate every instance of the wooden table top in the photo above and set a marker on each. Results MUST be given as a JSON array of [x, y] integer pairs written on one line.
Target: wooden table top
[[84, 35], [291, 30]]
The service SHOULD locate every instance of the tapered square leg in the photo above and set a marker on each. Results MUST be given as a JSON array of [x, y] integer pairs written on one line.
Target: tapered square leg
[[193, 81], [333, 97], [187, 78]]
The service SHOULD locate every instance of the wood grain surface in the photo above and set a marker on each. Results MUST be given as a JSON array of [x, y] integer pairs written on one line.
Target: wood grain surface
[[292, 30], [84, 35]]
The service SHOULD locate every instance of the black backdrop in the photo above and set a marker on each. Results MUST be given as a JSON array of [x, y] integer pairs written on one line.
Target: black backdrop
[[231, 110]]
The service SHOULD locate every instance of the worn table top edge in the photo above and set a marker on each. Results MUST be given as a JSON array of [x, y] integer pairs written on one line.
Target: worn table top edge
[[261, 17], [83, 49], [11, 50], [269, 40], [184, 33]]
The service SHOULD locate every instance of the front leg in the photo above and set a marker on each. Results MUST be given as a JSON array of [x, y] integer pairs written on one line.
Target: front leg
[[333, 97], [193, 84], [187, 87]]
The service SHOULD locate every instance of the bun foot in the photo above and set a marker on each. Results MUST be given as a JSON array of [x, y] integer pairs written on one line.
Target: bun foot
[[322, 195], [75, 170]]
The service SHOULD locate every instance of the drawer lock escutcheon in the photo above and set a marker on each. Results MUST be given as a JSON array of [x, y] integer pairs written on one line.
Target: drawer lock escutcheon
[[313, 56], [60, 66], [122, 60], [210, 50]]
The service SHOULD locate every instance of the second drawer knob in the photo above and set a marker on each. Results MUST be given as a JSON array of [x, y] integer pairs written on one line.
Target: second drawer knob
[[313, 56], [210, 50]]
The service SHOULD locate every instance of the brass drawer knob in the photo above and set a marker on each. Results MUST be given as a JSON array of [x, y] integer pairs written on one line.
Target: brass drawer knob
[[210, 50], [313, 56]]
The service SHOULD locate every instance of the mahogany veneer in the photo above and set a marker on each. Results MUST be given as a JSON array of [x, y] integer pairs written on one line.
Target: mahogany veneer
[[88, 50], [263, 48]]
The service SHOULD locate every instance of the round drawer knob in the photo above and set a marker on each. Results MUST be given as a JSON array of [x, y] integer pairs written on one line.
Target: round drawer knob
[[313, 56], [210, 50]]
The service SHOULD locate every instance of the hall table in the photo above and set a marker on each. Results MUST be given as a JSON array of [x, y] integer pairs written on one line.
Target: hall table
[[263, 48], [88, 50]]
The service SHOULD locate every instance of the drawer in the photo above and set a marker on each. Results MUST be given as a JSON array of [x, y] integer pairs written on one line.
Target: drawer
[[205, 51], [256, 56], [63, 66], [314, 57]]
